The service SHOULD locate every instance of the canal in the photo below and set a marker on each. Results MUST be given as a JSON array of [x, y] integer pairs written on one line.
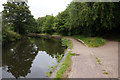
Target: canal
[[31, 57]]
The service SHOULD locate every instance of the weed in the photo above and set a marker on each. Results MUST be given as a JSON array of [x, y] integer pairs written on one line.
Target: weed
[[98, 61], [48, 74], [103, 70], [96, 57], [105, 73]]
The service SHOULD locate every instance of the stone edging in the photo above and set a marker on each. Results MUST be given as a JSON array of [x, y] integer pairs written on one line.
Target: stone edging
[[83, 42], [85, 46]]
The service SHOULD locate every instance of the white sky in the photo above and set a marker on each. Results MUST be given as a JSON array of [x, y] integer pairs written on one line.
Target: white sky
[[41, 8]]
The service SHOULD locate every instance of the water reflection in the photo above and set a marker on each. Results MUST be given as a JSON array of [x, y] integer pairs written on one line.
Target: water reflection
[[20, 59]]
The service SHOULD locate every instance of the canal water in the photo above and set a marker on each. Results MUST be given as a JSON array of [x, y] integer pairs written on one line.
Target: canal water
[[30, 58]]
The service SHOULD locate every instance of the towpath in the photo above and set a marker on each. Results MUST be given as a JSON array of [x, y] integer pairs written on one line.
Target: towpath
[[85, 64]]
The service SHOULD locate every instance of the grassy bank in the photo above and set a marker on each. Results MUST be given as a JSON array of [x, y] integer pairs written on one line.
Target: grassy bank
[[65, 65], [67, 62], [91, 41]]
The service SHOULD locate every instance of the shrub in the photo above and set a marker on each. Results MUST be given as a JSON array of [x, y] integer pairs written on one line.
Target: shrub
[[64, 42], [11, 36]]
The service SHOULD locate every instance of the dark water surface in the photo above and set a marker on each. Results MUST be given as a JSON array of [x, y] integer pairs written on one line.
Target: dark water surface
[[30, 58]]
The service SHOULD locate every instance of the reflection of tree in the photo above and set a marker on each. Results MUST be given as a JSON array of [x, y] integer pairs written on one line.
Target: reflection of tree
[[51, 46], [18, 57]]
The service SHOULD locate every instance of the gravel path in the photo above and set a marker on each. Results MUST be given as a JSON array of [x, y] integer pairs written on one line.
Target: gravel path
[[85, 65]]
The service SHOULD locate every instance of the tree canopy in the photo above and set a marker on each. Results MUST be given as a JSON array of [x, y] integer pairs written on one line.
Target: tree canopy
[[79, 18], [91, 19], [18, 16]]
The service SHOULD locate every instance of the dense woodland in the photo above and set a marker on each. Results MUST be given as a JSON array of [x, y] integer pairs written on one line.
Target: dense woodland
[[79, 18]]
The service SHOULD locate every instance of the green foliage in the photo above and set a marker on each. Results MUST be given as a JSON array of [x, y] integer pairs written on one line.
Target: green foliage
[[48, 74], [40, 21], [99, 61], [48, 24], [96, 57], [55, 34], [103, 69], [11, 36], [8, 34], [71, 45], [105, 73], [54, 67], [91, 41], [18, 15], [17, 19], [95, 42], [64, 42], [89, 19], [59, 57], [61, 25], [65, 65], [45, 24]]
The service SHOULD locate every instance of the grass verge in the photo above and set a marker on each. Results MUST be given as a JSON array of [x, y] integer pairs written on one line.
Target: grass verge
[[65, 65], [91, 41]]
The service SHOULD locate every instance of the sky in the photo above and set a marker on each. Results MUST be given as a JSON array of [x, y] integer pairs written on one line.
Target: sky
[[41, 8]]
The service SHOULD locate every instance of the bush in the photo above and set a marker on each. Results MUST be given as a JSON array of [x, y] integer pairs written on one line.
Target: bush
[[11, 36], [64, 42]]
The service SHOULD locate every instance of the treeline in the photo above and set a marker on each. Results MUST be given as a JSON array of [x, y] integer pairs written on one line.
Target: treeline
[[80, 18]]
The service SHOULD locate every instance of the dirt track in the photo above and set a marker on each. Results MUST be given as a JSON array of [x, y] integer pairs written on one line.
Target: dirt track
[[85, 65]]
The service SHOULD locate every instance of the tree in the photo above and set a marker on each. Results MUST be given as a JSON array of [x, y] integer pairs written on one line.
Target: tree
[[79, 16], [116, 17], [40, 22], [91, 18], [48, 24], [18, 15], [61, 24]]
